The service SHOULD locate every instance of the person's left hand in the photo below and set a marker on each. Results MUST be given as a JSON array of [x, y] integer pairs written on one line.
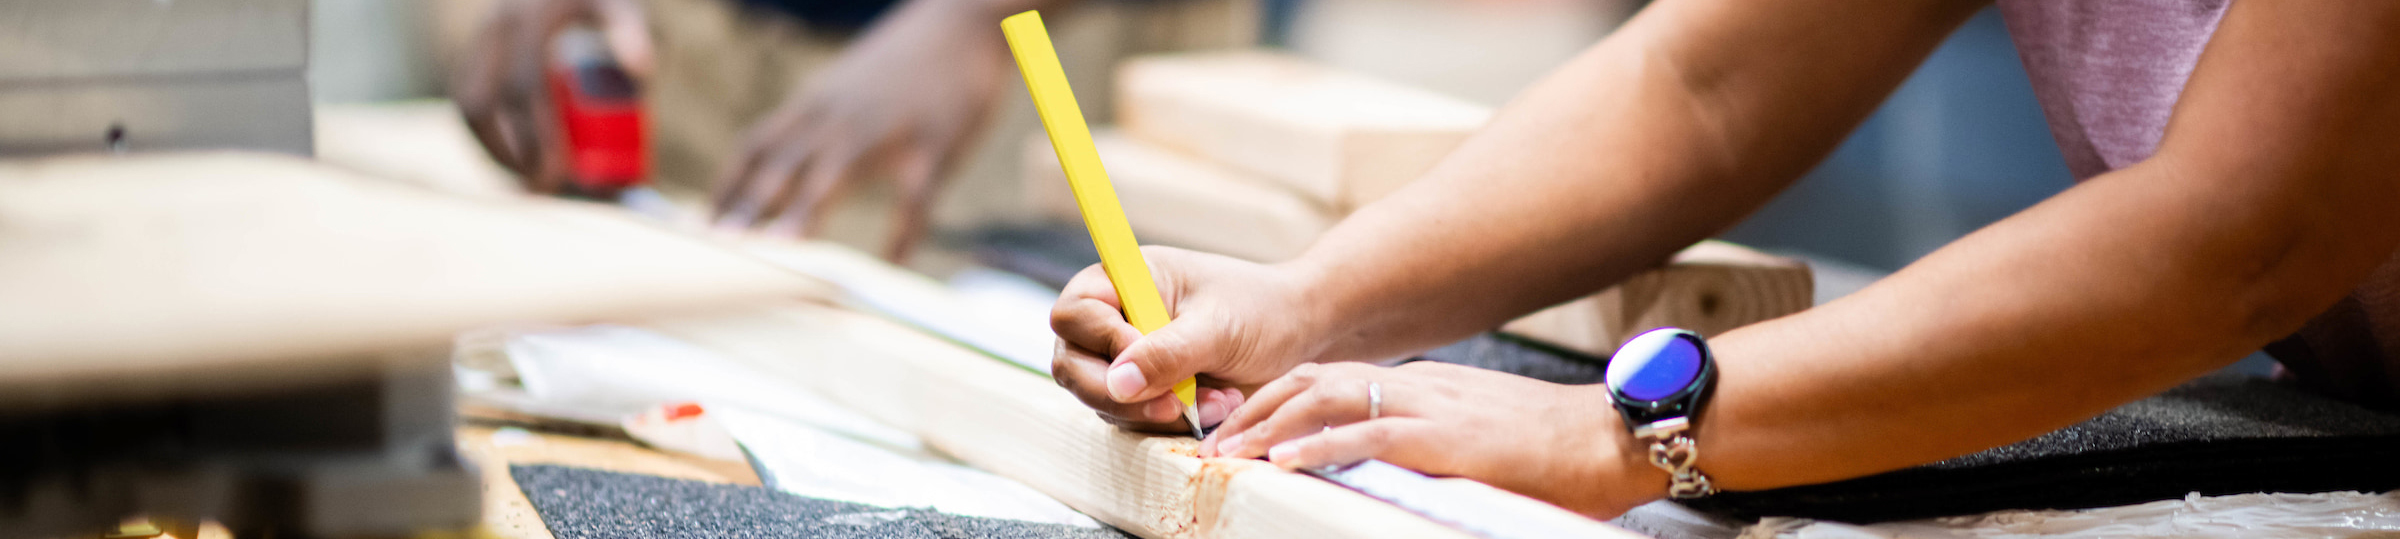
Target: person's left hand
[[1558, 443], [900, 104]]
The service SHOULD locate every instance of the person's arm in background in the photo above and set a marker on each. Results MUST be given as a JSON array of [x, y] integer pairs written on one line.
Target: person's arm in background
[[2272, 194], [1681, 122], [902, 102]]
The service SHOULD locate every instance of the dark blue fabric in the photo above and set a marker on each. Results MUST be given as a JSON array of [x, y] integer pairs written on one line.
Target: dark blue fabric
[[829, 14]]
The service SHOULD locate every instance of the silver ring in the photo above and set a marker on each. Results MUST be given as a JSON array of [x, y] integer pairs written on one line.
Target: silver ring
[[1374, 401]]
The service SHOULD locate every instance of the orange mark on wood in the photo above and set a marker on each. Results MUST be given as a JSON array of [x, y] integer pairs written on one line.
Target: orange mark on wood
[[1209, 485]]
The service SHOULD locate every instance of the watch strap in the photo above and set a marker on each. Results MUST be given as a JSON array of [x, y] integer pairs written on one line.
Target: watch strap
[[1674, 451]]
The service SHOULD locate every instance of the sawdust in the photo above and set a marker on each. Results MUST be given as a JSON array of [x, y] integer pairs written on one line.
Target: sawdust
[[1209, 485]]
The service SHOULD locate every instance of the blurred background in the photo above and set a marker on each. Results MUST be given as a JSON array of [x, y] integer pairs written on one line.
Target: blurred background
[[1962, 144]]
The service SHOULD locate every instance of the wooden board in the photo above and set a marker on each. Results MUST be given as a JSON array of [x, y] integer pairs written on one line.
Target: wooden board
[[420, 143], [1021, 426], [1341, 138], [164, 275], [1174, 199], [1710, 287]]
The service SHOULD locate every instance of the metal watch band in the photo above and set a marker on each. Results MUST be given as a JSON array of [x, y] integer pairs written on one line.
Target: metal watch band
[[1678, 454]]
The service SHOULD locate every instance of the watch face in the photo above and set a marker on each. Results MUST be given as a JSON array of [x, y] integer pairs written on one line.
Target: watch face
[[1655, 365]]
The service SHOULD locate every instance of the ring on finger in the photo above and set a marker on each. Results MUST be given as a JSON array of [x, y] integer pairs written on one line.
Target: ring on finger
[[1374, 401]]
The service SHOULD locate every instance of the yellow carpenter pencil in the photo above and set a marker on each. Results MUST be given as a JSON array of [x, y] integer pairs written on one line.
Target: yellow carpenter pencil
[[1120, 255]]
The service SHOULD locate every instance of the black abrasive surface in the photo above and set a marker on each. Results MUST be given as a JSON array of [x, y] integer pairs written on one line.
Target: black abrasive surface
[[1519, 356], [2221, 434], [580, 503]]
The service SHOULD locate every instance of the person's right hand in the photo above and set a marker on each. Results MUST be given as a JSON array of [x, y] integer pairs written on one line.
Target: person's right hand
[[1237, 325], [497, 81]]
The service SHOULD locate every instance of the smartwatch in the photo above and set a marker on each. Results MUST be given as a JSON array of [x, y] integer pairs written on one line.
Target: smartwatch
[[1658, 382]]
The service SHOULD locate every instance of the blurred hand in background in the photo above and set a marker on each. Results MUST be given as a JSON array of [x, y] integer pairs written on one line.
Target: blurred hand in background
[[498, 80], [901, 104]]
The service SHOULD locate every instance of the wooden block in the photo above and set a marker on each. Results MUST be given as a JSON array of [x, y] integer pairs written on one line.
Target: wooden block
[[166, 275], [1710, 287], [46, 41], [1022, 426], [1341, 138], [1175, 200]]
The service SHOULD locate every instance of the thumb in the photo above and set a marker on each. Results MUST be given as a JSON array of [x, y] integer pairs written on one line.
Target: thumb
[[1154, 364]]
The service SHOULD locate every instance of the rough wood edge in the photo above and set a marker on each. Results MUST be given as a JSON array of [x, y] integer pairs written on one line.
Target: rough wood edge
[[1019, 425]]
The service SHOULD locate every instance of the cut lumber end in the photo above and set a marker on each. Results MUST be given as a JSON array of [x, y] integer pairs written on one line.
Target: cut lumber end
[[1710, 287]]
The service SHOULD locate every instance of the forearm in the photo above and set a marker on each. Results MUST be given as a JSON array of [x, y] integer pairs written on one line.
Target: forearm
[[2268, 199], [2119, 289], [1667, 132]]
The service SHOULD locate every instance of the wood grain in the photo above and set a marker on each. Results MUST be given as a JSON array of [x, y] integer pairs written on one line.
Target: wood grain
[[1710, 287]]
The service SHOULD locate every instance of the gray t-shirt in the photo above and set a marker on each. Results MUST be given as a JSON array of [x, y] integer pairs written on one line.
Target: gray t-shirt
[[2108, 71]]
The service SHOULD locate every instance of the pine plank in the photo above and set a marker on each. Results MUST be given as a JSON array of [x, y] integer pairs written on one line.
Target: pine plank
[[1174, 199], [1341, 138], [160, 275]]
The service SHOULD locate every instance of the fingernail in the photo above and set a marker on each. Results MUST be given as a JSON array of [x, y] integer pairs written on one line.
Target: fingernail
[[1124, 380], [1212, 412], [1160, 410], [1284, 452], [1230, 445]]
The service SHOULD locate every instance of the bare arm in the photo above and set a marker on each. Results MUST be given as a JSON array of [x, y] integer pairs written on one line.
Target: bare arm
[[1686, 119], [2272, 194], [1681, 123]]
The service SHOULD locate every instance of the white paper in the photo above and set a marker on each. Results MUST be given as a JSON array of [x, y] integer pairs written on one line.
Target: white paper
[[809, 462], [620, 371]]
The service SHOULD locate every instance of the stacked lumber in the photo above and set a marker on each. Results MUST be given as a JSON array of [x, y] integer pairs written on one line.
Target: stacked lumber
[[1254, 155], [1341, 138]]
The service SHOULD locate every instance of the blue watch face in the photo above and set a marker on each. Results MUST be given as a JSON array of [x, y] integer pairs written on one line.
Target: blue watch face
[[1655, 365]]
